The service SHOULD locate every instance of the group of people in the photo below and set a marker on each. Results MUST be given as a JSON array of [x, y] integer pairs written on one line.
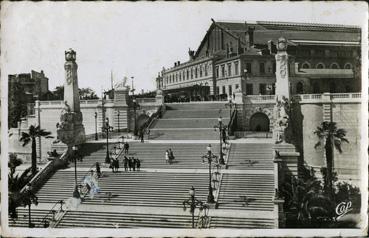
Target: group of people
[[131, 163], [169, 156]]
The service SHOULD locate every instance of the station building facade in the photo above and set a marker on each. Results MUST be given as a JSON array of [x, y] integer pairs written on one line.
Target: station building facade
[[241, 56]]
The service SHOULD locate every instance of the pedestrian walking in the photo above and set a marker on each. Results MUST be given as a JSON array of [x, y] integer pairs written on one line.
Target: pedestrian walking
[[112, 165], [130, 163], [142, 135], [171, 155], [126, 147], [125, 163], [167, 157], [133, 163], [98, 170], [138, 164], [116, 164]]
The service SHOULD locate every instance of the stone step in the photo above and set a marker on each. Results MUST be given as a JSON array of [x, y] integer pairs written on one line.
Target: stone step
[[244, 191], [244, 223], [126, 220], [184, 134], [141, 187], [195, 106], [152, 155], [195, 114], [188, 123]]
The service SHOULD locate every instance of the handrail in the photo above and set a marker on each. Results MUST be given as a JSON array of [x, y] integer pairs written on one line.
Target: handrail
[[44, 219], [232, 123], [147, 125]]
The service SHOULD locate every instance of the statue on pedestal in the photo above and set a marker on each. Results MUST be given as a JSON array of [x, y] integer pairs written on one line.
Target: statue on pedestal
[[121, 85]]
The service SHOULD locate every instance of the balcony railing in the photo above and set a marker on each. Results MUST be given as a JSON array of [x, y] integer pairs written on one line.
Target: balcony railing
[[328, 96]]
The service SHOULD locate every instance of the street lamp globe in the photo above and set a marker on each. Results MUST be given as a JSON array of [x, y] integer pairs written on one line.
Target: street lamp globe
[[208, 148], [220, 119], [192, 191], [134, 100]]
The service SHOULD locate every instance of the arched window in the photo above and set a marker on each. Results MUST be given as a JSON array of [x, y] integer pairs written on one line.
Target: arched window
[[299, 88], [334, 66], [305, 65], [348, 66], [320, 66]]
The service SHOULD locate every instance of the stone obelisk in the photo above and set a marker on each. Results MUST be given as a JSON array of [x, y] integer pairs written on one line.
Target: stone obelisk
[[70, 130]]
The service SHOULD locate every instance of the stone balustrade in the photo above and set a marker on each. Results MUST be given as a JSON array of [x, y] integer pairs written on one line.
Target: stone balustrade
[[260, 99], [334, 97]]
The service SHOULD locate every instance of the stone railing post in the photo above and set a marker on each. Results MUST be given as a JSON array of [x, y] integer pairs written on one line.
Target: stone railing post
[[278, 201]]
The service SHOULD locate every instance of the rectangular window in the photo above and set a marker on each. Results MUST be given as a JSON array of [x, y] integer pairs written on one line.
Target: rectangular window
[[223, 90], [217, 90], [196, 72], [180, 77], [200, 71], [223, 71], [249, 89], [262, 68], [248, 68], [191, 73], [206, 70], [262, 88], [217, 72], [236, 68], [188, 74], [229, 69], [270, 89], [230, 90], [274, 67]]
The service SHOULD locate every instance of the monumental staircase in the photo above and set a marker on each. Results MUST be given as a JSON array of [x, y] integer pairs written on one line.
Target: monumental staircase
[[189, 121], [153, 197]]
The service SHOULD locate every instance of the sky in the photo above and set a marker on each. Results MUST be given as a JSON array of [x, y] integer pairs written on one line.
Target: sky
[[133, 39]]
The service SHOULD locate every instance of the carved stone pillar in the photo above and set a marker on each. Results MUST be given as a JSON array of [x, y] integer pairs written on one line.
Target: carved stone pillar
[[70, 129]]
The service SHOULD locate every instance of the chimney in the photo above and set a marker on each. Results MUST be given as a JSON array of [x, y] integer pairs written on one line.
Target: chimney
[[178, 63], [175, 64]]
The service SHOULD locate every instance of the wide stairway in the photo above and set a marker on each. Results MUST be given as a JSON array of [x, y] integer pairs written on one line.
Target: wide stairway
[[189, 121], [153, 197]]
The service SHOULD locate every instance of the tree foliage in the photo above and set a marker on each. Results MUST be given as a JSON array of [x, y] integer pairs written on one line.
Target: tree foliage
[[26, 138], [17, 104], [331, 137]]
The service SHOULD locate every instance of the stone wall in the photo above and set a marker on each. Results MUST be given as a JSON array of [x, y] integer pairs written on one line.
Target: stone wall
[[49, 114], [346, 113]]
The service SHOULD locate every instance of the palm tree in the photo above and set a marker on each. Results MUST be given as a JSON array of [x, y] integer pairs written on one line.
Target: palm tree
[[33, 133], [332, 138]]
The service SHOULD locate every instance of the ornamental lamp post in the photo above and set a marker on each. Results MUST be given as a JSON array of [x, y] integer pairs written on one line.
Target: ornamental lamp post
[[75, 163], [96, 137], [135, 107], [118, 121], [193, 203], [221, 128], [107, 128], [210, 157], [31, 198]]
